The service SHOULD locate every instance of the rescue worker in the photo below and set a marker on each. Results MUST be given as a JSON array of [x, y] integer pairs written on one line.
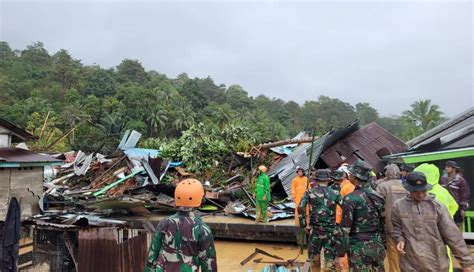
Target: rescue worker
[[421, 228], [459, 189], [262, 195], [362, 223], [299, 185], [405, 169], [391, 189], [346, 188], [322, 230], [337, 177], [442, 195], [323, 175], [182, 242]]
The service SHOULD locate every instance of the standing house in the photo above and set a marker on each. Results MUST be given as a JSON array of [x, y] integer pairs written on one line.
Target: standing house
[[451, 140], [21, 171]]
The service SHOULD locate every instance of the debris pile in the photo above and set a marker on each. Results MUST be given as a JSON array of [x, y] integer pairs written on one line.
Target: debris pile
[[138, 181]]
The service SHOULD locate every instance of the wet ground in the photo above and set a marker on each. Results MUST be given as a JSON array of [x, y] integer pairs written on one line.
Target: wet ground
[[231, 253]]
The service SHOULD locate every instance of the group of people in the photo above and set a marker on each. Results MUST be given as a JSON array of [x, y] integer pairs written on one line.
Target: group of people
[[411, 218]]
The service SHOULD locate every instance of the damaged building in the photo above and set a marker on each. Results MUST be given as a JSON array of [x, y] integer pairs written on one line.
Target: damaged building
[[21, 171], [344, 145]]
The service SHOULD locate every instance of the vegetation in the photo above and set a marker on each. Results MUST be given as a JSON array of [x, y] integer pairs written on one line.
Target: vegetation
[[72, 106]]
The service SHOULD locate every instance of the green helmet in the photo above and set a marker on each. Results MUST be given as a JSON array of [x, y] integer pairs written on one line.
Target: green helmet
[[361, 170], [337, 175]]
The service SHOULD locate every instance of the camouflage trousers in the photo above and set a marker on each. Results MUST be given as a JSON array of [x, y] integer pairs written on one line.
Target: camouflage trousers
[[323, 241], [367, 254]]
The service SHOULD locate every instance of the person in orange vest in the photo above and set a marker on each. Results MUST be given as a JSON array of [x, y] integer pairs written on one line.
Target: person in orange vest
[[299, 185], [346, 188]]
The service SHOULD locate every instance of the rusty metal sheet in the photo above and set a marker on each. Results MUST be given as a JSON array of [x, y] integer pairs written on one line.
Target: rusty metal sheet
[[99, 250], [369, 143], [24, 156]]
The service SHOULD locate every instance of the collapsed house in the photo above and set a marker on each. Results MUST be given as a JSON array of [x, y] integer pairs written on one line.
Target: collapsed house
[[93, 204], [344, 145]]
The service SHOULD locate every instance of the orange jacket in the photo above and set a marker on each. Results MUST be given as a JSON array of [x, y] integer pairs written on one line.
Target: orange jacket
[[299, 185], [346, 188]]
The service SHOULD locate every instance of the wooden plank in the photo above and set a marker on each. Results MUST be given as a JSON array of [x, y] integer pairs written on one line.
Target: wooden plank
[[25, 264], [26, 250]]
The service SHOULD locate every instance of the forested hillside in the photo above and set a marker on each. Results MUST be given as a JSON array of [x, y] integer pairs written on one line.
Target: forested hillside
[[72, 106]]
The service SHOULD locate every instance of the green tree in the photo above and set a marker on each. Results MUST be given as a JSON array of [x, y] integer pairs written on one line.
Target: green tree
[[157, 118], [366, 113], [131, 70], [424, 114], [99, 82], [66, 70]]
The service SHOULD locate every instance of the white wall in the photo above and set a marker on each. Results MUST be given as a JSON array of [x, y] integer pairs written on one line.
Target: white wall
[[5, 140]]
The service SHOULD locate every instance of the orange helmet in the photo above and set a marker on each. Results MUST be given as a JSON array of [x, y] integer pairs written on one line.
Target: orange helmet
[[189, 193], [262, 168]]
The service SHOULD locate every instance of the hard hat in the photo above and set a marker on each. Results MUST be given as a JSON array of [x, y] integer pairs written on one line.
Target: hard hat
[[262, 168], [298, 168], [189, 193]]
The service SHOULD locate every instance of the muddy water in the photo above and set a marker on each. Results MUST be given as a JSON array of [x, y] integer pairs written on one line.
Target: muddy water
[[231, 253]]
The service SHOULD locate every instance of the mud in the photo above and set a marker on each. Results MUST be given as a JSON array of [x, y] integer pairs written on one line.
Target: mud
[[231, 253]]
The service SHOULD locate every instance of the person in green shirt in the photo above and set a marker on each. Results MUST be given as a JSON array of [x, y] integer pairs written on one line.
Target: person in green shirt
[[262, 195]]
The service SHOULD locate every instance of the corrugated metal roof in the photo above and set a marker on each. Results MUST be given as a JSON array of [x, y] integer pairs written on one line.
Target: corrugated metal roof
[[455, 133], [369, 143], [440, 128], [285, 169], [20, 133], [16, 155]]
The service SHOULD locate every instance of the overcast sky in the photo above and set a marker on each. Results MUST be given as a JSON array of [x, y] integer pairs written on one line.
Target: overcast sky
[[385, 53]]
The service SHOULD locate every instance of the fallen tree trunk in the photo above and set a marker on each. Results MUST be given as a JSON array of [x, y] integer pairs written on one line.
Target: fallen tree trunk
[[285, 142]]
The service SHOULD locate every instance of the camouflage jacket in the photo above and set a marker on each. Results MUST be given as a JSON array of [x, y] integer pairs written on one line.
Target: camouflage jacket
[[182, 243], [335, 186], [362, 216], [322, 203]]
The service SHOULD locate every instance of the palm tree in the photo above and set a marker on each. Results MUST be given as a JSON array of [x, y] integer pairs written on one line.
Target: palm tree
[[156, 121], [184, 115], [424, 114]]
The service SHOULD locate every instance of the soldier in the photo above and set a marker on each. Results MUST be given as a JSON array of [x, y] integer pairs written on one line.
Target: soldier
[[362, 224], [337, 176], [421, 228], [321, 227], [182, 241]]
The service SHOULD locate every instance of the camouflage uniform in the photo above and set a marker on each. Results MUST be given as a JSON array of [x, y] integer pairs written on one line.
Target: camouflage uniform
[[335, 186], [322, 202], [363, 229], [182, 243]]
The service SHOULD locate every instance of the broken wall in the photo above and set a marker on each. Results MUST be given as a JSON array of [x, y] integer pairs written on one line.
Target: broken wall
[[24, 183]]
